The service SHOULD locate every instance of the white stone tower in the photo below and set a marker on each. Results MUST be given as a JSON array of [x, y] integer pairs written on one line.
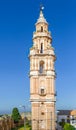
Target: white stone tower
[[42, 77]]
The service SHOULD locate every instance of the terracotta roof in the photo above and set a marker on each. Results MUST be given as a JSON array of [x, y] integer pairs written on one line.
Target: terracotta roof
[[73, 112]]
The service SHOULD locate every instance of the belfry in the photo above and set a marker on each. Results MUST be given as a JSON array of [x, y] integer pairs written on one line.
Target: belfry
[[42, 77]]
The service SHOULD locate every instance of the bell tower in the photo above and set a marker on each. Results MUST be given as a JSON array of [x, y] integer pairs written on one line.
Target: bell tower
[[42, 77]]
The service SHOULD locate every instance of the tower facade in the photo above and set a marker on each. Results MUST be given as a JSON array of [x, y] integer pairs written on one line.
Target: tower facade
[[42, 77]]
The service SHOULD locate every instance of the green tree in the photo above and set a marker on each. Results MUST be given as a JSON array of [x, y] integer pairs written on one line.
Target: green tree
[[62, 124], [16, 115], [67, 126]]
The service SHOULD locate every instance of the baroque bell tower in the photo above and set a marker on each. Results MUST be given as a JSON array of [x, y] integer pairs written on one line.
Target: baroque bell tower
[[42, 77]]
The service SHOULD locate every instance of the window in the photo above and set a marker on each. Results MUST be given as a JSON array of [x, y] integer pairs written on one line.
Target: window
[[63, 120], [41, 29], [42, 103], [68, 119], [43, 124], [42, 113], [41, 67], [42, 91], [41, 51]]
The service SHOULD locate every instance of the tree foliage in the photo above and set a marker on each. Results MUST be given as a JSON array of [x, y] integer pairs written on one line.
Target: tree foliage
[[67, 126], [62, 124], [16, 115]]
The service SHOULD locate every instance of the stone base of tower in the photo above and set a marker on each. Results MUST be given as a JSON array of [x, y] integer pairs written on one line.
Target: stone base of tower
[[43, 117]]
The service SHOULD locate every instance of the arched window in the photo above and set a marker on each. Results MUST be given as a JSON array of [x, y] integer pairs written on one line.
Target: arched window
[[41, 51], [41, 67], [42, 91], [41, 29]]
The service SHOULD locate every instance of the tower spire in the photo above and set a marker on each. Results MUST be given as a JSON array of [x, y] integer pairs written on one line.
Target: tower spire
[[41, 18]]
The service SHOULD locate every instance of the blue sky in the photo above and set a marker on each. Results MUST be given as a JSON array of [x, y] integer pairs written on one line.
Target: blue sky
[[17, 19]]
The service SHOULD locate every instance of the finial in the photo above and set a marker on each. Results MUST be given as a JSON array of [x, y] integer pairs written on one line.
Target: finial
[[41, 7], [41, 18]]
